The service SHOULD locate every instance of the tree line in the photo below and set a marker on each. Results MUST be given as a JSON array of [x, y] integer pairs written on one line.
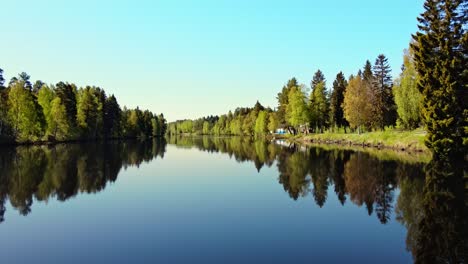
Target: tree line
[[431, 91], [369, 100], [63, 112]]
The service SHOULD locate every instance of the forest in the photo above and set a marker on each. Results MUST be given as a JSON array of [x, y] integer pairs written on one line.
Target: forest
[[63, 112], [430, 92]]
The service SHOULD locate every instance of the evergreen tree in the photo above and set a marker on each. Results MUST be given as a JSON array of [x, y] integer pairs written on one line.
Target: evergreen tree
[[162, 124], [318, 78], [112, 116], [24, 78], [441, 54], [384, 105], [37, 86], [336, 100], [13, 80], [156, 127], [2, 80], [367, 74]]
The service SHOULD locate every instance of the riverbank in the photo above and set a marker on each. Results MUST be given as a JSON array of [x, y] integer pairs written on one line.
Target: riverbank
[[409, 141]]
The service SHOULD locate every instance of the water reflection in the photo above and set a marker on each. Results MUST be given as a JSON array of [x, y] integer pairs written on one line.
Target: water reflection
[[429, 199], [64, 170], [366, 179], [434, 212]]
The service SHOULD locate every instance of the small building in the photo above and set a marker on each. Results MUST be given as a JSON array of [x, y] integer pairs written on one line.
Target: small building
[[280, 131]]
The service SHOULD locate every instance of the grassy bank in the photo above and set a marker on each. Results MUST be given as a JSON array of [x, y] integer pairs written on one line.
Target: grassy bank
[[412, 141]]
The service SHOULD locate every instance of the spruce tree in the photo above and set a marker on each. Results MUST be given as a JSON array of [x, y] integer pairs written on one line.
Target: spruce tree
[[441, 54], [2, 80], [384, 103], [367, 75], [318, 78], [336, 100]]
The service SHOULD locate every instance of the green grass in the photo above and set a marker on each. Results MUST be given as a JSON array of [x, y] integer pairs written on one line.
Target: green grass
[[390, 138]]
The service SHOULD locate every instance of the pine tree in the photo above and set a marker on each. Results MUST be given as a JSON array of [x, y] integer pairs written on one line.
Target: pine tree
[[441, 54], [336, 100]]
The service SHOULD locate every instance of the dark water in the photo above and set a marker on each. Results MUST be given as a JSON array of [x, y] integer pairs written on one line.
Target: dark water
[[232, 200]]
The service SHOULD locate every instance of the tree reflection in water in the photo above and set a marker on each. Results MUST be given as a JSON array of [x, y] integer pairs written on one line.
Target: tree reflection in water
[[431, 203], [64, 170]]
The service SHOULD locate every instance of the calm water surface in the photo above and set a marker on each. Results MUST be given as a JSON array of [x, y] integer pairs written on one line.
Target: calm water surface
[[231, 200]]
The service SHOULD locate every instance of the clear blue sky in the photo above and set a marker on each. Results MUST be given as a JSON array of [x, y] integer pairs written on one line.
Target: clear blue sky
[[189, 59]]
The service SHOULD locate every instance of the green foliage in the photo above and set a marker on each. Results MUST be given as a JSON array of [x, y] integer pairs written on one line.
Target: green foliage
[[89, 112], [261, 124], [319, 103], [23, 113], [297, 111], [407, 96], [206, 128], [273, 122], [440, 55], [58, 125], [37, 112], [283, 98]]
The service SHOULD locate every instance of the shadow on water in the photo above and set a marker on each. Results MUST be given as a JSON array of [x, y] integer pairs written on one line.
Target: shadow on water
[[429, 199]]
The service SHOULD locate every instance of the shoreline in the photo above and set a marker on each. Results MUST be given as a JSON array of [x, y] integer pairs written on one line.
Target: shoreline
[[399, 141]]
